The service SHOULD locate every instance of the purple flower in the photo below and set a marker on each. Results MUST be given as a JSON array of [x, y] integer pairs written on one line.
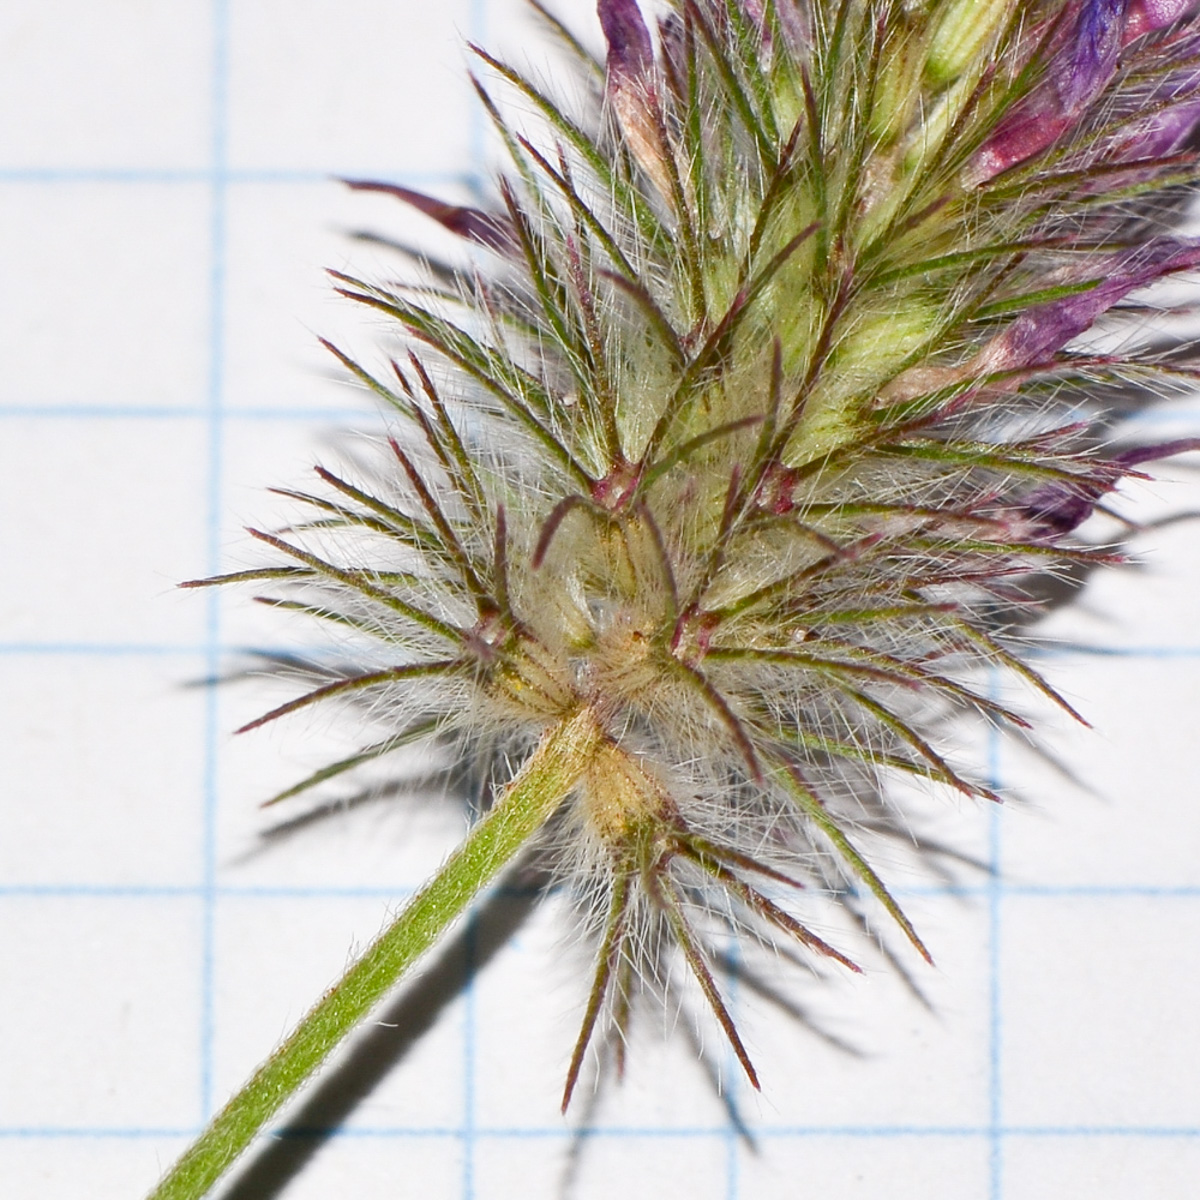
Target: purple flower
[[1144, 16], [630, 51], [1041, 332], [1160, 134], [1078, 77], [631, 87], [1165, 116], [1057, 509], [1077, 73]]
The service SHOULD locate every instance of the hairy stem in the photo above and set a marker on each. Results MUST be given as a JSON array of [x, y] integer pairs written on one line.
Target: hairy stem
[[546, 779]]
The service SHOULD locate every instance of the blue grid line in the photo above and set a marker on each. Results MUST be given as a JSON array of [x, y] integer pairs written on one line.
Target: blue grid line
[[995, 894], [102, 649], [225, 176], [477, 23], [101, 411], [1097, 891], [151, 648], [84, 1132], [1156, 416], [470, 999], [716, 1133], [1067, 651], [995, 891], [119, 891], [114, 412], [735, 1083], [219, 17]]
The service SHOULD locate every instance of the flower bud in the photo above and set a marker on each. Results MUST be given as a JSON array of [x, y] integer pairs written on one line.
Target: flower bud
[[1144, 16], [961, 36], [1075, 77], [631, 87], [1041, 332]]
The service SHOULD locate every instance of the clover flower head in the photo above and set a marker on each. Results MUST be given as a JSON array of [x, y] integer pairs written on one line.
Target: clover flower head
[[728, 469]]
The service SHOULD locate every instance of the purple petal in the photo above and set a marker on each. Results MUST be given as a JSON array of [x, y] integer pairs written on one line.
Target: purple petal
[[1158, 135], [633, 87], [1026, 133], [630, 51], [1143, 16], [470, 223], [1171, 111], [1078, 71], [1040, 333], [1142, 454], [1080, 76], [1058, 508]]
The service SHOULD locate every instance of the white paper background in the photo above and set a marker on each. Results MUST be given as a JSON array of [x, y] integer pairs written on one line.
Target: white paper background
[[165, 214]]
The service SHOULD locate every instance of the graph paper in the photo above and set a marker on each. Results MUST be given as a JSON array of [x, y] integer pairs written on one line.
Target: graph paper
[[167, 206]]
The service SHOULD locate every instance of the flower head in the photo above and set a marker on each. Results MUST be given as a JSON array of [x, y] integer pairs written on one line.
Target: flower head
[[741, 442]]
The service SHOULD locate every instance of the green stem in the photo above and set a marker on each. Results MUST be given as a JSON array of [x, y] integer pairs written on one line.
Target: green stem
[[532, 797]]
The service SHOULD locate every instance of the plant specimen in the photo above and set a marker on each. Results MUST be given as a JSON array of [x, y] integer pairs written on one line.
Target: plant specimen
[[723, 479]]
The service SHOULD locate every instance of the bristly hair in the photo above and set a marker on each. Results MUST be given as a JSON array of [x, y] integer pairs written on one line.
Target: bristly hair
[[747, 437]]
